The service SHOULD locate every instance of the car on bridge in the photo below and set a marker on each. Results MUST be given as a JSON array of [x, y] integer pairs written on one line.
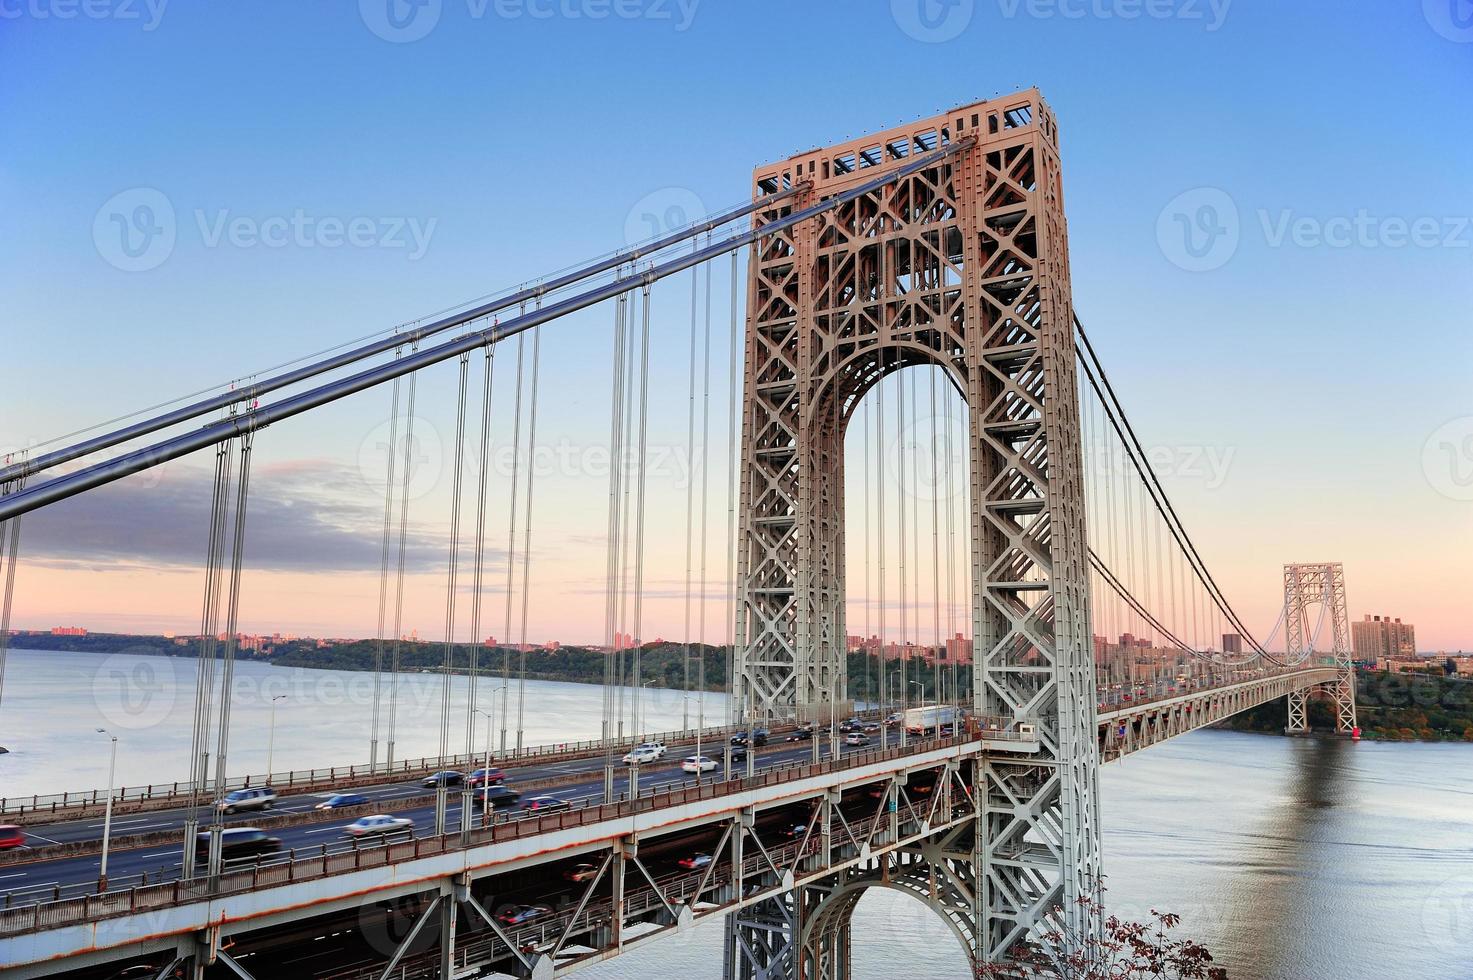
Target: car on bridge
[[738, 754], [693, 861], [251, 798], [237, 842], [498, 796], [488, 776], [641, 755], [757, 736], [803, 734], [379, 823], [547, 804], [856, 738], [11, 837], [447, 777], [580, 872], [338, 800], [515, 915], [697, 764]]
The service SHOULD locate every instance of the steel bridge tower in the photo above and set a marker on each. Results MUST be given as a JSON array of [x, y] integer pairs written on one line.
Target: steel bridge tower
[[963, 265], [1319, 584]]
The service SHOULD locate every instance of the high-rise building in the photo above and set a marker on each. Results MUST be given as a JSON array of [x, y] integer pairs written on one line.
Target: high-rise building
[[1232, 643], [1376, 637]]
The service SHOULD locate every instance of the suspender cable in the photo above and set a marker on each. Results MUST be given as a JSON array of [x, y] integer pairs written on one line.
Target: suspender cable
[[869, 672], [406, 464], [936, 548], [690, 491], [644, 371], [227, 677], [880, 528], [511, 536], [452, 569], [383, 578], [199, 751], [611, 623], [9, 558], [527, 538], [705, 515], [478, 580], [172, 448], [731, 494]]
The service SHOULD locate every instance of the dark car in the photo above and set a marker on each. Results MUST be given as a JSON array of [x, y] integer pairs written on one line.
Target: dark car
[[342, 799], [803, 734], [546, 804], [757, 736], [794, 831], [515, 915], [11, 837], [486, 777], [851, 725], [498, 795], [238, 842], [446, 778]]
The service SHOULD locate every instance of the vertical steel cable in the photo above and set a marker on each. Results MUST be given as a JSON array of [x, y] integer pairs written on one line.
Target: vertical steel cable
[[511, 534], [616, 432], [205, 656], [227, 677], [478, 579], [452, 568], [936, 546], [880, 525], [9, 558], [527, 533], [690, 490], [868, 594], [705, 508], [383, 576], [399, 573], [644, 372], [628, 639], [900, 503], [731, 499]]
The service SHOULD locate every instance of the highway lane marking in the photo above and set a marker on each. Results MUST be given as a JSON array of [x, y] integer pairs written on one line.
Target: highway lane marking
[[18, 874], [323, 830], [39, 837]]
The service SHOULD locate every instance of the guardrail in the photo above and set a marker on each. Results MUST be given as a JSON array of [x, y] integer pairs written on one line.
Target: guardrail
[[355, 857]]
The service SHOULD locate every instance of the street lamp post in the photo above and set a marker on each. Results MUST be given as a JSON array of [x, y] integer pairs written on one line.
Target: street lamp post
[[107, 819], [271, 736], [485, 782]]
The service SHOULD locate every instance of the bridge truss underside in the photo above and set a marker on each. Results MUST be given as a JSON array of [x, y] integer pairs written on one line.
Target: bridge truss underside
[[963, 265]]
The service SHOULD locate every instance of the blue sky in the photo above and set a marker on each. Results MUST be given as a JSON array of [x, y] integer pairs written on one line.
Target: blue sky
[[520, 137]]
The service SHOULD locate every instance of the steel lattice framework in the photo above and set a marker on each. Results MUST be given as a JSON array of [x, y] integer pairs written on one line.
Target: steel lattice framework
[[963, 265], [1319, 584]]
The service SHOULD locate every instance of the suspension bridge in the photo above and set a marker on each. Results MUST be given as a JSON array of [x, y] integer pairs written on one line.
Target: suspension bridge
[[1055, 600]]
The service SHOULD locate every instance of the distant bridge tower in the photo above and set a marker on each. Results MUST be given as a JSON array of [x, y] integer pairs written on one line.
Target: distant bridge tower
[[1319, 584], [964, 265]]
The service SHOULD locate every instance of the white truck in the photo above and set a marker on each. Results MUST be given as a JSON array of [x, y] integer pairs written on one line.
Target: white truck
[[926, 719]]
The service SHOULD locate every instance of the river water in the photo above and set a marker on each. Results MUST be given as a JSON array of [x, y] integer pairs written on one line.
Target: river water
[[1292, 859]]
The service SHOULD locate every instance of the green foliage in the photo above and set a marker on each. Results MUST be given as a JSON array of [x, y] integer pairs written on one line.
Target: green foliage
[[1399, 707]]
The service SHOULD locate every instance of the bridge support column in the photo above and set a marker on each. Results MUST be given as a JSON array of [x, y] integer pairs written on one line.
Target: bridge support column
[[1323, 584], [449, 913], [1298, 714]]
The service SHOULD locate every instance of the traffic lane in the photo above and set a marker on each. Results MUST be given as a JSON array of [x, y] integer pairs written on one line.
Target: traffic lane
[[66, 832], [161, 862]]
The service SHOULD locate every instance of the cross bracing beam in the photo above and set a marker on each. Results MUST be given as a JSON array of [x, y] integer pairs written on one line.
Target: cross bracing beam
[[161, 452], [107, 440]]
